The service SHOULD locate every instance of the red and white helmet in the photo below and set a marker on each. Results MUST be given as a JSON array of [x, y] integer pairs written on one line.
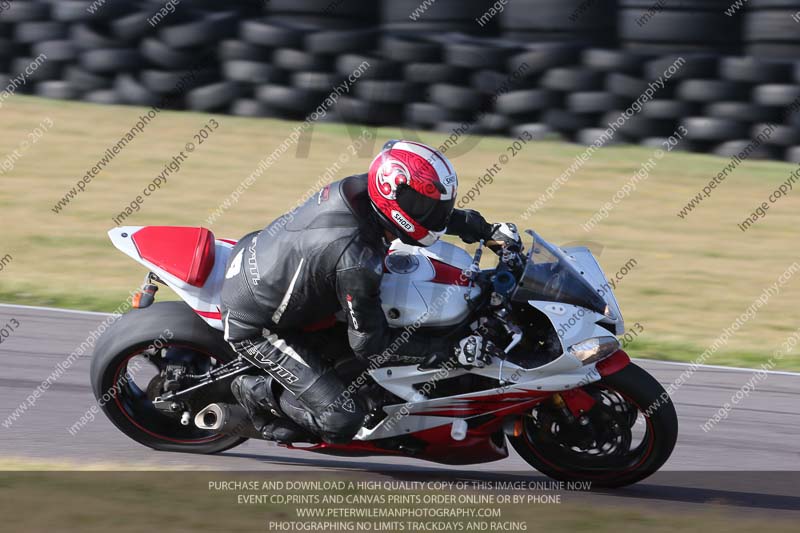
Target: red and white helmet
[[413, 188]]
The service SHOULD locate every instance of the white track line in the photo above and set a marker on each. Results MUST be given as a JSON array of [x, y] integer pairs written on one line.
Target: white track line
[[719, 367], [673, 363], [57, 309]]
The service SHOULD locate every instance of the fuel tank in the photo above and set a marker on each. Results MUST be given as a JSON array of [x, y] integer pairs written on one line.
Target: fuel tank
[[426, 287]]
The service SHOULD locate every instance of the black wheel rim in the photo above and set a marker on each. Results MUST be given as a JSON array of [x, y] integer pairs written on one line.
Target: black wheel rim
[[134, 403], [619, 449]]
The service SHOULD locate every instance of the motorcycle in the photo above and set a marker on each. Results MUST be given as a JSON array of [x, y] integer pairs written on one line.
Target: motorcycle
[[555, 383]]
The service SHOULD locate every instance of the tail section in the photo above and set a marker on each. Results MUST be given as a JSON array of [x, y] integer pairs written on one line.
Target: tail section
[[191, 261]]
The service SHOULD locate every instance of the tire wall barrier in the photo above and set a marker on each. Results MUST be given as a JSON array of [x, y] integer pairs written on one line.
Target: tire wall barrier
[[725, 72]]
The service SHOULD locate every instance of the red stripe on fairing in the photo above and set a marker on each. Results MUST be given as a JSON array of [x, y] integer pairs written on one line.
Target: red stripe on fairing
[[448, 274], [216, 315], [229, 241], [481, 408], [509, 396], [451, 413], [486, 404], [434, 152]]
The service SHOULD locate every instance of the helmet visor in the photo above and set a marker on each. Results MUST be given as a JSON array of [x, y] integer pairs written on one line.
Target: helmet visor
[[431, 213]]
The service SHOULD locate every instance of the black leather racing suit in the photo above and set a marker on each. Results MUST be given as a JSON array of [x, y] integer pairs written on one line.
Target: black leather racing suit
[[325, 256]]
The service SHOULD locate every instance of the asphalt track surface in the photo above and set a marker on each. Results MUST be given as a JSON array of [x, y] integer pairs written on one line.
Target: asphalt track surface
[[749, 462]]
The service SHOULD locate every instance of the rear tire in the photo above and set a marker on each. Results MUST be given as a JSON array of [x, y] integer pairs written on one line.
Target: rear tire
[[645, 393], [132, 334]]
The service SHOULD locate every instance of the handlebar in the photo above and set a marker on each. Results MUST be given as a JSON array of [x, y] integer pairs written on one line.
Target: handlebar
[[504, 277]]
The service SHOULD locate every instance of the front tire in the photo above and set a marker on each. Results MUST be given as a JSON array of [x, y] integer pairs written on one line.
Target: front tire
[[630, 395], [131, 337]]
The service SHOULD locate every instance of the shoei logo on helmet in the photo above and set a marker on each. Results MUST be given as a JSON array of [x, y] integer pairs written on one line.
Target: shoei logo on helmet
[[389, 176], [449, 180], [403, 221]]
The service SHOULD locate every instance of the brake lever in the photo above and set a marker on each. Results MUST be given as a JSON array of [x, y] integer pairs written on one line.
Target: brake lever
[[476, 260], [474, 269]]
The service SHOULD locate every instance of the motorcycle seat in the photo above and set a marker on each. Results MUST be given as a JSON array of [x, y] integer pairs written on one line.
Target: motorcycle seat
[[185, 252]]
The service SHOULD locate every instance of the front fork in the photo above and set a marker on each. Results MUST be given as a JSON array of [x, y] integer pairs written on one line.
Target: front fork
[[579, 402], [575, 403]]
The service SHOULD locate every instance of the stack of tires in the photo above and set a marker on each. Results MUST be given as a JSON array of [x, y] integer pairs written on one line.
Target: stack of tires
[[295, 57], [527, 105], [432, 17], [708, 103], [178, 55], [290, 67], [579, 21], [460, 78], [32, 28], [720, 105], [402, 62], [675, 26], [624, 79], [772, 29], [329, 14], [578, 92], [737, 108], [586, 95], [657, 87], [144, 53]]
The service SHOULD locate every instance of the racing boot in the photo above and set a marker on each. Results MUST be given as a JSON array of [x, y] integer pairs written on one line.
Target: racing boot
[[255, 394], [326, 409]]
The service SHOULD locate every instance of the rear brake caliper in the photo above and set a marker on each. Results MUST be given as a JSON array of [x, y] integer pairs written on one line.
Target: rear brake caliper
[[171, 379], [174, 377]]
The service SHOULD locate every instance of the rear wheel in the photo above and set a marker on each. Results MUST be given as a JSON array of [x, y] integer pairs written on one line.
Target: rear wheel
[[628, 435], [137, 355]]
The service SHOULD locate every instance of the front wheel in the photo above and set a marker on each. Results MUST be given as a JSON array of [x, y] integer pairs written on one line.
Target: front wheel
[[628, 434]]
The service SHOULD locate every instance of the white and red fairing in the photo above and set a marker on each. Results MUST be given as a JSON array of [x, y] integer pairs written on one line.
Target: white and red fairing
[[424, 284], [420, 284], [190, 260]]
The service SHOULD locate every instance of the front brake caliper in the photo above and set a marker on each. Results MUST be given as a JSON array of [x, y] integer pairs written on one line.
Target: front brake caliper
[[578, 401]]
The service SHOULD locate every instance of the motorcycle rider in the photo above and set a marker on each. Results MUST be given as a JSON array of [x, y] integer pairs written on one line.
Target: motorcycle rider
[[327, 256]]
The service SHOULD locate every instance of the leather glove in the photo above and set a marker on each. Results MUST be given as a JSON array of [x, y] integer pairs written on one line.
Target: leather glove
[[505, 236]]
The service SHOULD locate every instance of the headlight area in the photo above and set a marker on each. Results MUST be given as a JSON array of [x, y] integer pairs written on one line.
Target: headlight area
[[594, 349]]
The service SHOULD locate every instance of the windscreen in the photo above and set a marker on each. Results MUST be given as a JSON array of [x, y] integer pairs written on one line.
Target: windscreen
[[550, 276]]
